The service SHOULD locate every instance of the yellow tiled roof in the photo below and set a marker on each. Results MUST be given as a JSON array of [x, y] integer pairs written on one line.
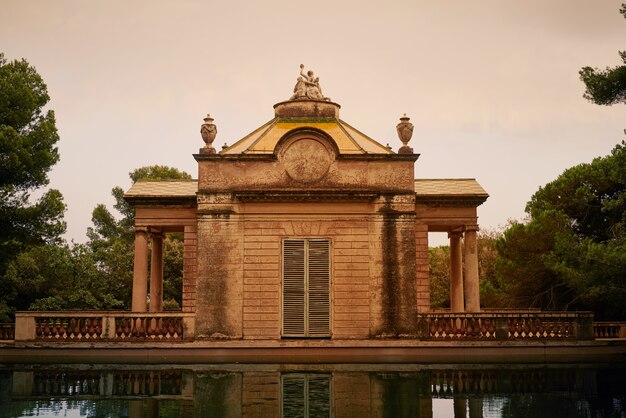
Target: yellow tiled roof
[[163, 188], [264, 139], [449, 187]]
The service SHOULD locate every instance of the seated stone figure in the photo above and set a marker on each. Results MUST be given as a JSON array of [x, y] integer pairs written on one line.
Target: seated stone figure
[[307, 87]]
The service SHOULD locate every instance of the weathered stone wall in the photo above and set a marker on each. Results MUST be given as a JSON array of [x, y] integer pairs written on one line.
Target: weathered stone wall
[[375, 175], [262, 272], [219, 286], [392, 276]]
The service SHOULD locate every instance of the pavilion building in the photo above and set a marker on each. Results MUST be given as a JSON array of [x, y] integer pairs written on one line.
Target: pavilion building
[[306, 228]]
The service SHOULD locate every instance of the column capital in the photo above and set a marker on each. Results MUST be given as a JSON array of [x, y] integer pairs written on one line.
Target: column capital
[[471, 228], [455, 234], [139, 229], [154, 233]]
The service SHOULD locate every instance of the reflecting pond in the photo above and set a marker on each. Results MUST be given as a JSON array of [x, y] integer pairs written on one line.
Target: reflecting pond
[[289, 390]]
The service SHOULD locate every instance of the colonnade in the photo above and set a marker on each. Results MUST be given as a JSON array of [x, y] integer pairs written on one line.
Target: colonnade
[[464, 291], [140, 271]]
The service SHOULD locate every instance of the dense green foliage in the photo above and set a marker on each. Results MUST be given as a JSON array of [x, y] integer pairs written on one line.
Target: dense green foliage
[[28, 138], [571, 254], [608, 86], [95, 275]]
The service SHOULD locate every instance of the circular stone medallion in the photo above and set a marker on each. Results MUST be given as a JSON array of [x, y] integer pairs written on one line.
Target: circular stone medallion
[[307, 160]]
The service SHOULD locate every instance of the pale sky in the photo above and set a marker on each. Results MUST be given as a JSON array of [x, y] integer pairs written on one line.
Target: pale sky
[[491, 85]]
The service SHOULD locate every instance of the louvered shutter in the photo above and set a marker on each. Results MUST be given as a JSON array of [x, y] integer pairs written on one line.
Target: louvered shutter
[[318, 289], [306, 288], [293, 288]]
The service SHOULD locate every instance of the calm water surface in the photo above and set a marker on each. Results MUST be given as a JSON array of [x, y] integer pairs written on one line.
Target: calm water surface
[[340, 390]]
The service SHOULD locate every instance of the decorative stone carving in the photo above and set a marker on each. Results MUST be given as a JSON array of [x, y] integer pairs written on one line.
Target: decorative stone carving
[[307, 160], [208, 131], [405, 132], [308, 87]]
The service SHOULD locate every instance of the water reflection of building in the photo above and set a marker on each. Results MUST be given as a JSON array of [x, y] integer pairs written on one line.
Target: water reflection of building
[[364, 391]]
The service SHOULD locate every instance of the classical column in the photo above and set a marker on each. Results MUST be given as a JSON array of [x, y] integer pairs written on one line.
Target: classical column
[[156, 274], [140, 270], [472, 289], [456, 273]]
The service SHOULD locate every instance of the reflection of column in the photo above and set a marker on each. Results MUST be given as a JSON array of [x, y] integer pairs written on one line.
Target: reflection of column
[[140, 271], [460, 407], [152, 408], [456, 273], [472, 295], [476, 408], [156, 274]]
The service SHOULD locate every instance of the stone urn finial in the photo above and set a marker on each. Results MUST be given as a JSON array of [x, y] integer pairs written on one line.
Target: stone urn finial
[[405, 132], [208, 131]]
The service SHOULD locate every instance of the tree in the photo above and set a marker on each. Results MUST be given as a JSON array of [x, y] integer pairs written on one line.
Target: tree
[[608, 86], [28, 138], [112, 241], [27, 152], [571, 254]]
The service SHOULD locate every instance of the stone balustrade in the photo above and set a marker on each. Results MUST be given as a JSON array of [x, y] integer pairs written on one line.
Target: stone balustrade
[[7, 332], [103, 326], [610, 330], [89, 326], [507, 325]]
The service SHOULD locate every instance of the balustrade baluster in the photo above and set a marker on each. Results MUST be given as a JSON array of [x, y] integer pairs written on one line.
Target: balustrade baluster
[[135, 330], [98, 327], [179, 328], [170, 328]]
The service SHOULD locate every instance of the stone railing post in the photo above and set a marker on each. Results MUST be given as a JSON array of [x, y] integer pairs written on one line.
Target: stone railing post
[[108, 327], [502, 328], [423, 328], [583, 327], [25, 327], [189, 327]]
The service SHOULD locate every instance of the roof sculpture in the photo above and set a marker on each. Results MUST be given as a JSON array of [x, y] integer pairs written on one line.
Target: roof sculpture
[[308, 87]]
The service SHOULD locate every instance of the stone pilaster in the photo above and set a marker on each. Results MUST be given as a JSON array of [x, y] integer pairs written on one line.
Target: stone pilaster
[[219, 305], [393, 286]]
